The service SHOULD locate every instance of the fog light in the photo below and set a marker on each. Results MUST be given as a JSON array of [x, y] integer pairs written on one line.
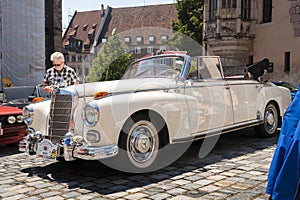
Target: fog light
[[93, 136], [67, 138], [38, 136]]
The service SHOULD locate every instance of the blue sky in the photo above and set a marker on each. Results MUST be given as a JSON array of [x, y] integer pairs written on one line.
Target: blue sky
[[70, 6]]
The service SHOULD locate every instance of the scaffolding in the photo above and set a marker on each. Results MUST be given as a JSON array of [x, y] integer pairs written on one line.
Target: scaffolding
[[22, 43]]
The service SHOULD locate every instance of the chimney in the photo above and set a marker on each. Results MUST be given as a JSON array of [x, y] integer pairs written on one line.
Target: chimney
[[102, 9]]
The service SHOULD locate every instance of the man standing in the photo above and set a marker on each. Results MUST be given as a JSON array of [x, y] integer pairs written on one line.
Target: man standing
[[60, 75]]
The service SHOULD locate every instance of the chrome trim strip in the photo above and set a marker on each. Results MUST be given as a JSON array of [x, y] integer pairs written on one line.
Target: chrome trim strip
[[219, 131], [213, 82]]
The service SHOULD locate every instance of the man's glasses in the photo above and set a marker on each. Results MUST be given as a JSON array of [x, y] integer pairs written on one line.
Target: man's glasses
[[56, 65]]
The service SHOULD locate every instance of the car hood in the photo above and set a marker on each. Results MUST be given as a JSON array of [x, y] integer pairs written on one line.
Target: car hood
[[8, 110], [124, 86]]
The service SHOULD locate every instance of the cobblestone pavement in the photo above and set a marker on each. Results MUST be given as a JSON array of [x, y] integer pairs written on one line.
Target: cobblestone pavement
[[236, 169]]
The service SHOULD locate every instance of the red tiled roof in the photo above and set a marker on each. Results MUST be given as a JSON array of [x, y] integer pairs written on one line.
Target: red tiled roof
[[82, 23], [124, 19], [72, 33], [91, 31]]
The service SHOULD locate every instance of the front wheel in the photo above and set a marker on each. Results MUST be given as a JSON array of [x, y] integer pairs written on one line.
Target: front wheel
[[139, 145], [270, 124]]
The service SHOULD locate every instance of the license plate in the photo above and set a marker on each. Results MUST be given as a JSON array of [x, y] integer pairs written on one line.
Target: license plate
[[47, 150]]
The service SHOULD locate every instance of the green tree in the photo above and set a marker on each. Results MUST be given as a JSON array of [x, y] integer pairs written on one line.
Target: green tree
[[190, 18], [111, 61], [188, 28]]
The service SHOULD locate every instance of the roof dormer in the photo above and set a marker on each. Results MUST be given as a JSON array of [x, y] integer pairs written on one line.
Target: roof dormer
[[85, 27], [72, 34]]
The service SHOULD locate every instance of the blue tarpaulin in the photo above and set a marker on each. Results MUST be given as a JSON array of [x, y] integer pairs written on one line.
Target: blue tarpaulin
[[285, 167]]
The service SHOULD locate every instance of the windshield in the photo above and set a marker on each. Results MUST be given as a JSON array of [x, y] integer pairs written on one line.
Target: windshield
[[155, 67], [39, 92]]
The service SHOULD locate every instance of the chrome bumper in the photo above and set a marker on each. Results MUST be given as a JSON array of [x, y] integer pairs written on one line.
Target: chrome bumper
[[71, 152], [91, 153]]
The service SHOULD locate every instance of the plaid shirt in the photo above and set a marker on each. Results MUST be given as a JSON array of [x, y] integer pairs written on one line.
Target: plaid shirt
[[65, 78]]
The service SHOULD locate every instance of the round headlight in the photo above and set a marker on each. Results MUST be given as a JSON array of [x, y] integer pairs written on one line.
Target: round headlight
[[11, 119], [27, 114], [20, 118], [90, 114]]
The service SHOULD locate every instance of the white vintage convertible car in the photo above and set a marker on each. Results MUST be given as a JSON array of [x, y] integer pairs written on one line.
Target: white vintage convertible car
[[160, 100]]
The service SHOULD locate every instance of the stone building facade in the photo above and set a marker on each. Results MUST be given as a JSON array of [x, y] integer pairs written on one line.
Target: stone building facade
[[251, 30], [53, 30], [143, 29]]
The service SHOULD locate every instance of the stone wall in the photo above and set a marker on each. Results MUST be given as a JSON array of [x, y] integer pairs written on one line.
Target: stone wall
[[53, 26]]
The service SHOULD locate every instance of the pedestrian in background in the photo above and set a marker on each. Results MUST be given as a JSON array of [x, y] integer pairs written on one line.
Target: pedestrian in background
[[60, 75]]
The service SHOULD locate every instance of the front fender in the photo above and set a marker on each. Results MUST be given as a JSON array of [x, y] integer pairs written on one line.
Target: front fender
[[40, 116], [115, 110]]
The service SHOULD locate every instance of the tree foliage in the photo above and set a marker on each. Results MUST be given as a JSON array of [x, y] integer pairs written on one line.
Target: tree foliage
[[111, 61], [188, 27], [190, 18]]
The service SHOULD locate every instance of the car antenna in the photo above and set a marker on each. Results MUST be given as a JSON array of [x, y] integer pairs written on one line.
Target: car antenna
[[83, 81]]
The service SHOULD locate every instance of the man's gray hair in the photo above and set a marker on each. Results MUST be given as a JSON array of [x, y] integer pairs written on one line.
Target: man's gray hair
[[57, 56]]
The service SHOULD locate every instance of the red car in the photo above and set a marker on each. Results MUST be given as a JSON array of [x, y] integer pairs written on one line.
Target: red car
[[12, 126]]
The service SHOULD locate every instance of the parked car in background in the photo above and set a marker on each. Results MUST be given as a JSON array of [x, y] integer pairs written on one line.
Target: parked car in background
[[161, 100], [30, 94], [12, 126], [293, 89]]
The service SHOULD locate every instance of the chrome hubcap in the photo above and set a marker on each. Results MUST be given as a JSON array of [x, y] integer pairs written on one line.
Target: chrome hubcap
[[141, 144], [270, 119]]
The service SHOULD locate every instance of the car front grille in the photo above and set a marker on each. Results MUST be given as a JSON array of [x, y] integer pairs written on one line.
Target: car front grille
[[14, 130], [60, 116]]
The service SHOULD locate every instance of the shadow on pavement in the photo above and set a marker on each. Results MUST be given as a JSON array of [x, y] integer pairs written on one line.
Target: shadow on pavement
[[96, 177], [9, 149]]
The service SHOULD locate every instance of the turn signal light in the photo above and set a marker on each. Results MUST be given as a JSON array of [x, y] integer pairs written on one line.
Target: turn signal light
[[37, 99], [98, 95]]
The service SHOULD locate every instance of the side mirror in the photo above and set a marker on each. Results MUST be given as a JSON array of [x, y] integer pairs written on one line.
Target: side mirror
[[175, 77], [188, 83]]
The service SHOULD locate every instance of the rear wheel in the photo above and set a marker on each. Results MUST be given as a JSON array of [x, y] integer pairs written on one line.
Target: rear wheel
[[271, 122]]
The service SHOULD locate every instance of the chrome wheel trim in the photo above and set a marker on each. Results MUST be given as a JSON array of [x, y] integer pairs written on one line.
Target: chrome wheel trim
[[270, 120], [142, 144]]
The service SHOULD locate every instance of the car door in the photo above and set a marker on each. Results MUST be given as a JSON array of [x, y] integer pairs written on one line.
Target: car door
[[244, 97], [208, 96]]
